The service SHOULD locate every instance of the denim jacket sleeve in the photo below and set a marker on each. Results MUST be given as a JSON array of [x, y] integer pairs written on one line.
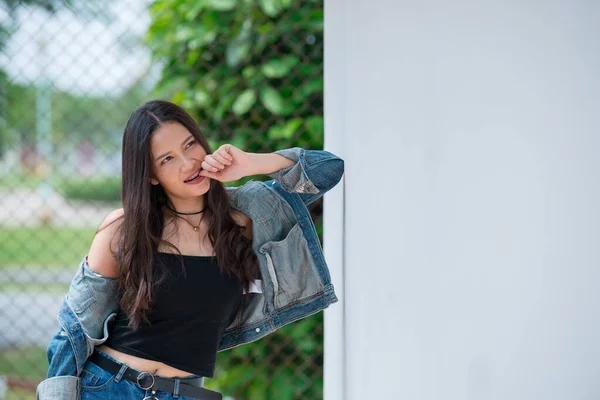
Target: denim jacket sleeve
[[314, 173], [93, 298], [66, 356], [89, 307]]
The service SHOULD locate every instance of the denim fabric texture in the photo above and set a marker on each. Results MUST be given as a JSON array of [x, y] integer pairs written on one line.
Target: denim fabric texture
[[295, 279], [96, 383]]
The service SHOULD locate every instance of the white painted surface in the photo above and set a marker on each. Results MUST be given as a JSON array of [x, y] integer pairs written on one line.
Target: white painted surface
[[471, 234]]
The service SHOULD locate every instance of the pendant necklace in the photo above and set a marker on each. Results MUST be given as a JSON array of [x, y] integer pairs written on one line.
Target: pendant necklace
[[179, 215]]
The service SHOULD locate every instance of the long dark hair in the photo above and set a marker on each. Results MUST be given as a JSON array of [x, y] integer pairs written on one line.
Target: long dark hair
[[143, 224]]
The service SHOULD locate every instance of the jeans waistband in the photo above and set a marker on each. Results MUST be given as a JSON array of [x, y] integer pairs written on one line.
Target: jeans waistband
[[154, 383], [194, 380]]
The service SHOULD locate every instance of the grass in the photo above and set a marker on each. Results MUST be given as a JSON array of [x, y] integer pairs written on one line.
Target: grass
[[14, 181], [24, 364], [28, 363], [44, 246], [20, 394]]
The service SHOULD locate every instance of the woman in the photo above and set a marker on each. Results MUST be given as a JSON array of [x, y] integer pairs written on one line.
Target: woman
[[188, 267]]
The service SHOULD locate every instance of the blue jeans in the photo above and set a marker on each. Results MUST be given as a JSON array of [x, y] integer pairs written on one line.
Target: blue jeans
[[98, 384]]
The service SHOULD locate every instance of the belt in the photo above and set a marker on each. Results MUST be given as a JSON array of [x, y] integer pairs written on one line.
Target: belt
[[147, 381]]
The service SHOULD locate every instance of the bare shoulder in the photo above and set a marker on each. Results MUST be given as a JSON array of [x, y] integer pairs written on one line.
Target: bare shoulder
[[243, 220], [101, 257]]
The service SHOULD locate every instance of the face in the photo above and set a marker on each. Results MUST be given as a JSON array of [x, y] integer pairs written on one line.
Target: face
[[176, 161]]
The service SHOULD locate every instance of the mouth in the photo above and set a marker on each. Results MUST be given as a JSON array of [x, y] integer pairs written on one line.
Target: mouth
[[194, 178]]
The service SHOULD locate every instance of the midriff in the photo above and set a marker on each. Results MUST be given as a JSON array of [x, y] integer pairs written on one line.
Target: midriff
[[144, 365]]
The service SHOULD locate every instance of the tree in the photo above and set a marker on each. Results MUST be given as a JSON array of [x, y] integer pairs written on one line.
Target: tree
[[78, 115], [251, 72], [6, 28]]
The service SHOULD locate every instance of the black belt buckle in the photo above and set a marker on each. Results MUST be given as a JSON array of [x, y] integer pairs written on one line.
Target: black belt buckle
[[145, 381]]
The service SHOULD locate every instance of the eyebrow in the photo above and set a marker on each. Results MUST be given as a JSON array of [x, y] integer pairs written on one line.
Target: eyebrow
[[167, 153]]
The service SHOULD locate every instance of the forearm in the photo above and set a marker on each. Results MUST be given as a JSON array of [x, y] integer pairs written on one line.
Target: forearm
[[265, 164]]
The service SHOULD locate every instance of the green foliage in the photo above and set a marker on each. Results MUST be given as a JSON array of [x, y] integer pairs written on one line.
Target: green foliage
[[3, 106], [6, 28], [287, 364], [46, 246], [27, 365], [22, 180], [23, 363], [250, 71], [102, 190], [99, 120]]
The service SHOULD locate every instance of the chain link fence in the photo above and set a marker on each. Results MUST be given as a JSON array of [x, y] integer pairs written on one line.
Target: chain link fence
[[71, 72]]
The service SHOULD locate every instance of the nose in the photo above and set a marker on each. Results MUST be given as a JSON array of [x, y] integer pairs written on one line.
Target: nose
[[187, 163]]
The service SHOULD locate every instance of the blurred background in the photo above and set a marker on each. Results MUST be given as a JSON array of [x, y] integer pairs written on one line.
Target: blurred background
[[71, 72], [463, 242]]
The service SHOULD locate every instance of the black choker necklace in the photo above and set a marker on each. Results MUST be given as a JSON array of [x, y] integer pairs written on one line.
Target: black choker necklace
[[186, 213]]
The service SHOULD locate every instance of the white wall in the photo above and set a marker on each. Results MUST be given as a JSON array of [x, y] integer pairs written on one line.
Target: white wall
[[469, 255]]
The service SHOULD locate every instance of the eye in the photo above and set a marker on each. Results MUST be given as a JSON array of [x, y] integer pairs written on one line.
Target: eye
[[165, 160], [190, 143]]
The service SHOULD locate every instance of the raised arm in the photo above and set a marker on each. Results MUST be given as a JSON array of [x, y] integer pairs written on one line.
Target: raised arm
[[310, 173]]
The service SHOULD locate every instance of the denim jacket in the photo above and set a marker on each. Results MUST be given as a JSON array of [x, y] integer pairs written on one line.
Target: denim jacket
[[294, 283]]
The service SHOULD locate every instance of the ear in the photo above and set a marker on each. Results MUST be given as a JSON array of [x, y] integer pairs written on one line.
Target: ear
[[153, 181]]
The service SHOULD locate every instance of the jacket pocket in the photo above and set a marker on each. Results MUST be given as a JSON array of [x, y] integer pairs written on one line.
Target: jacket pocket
[[94, 378], [291, 268], [59, 387]]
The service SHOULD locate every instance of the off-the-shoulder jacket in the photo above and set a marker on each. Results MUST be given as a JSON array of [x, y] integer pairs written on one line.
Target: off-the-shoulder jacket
[[295, 280]]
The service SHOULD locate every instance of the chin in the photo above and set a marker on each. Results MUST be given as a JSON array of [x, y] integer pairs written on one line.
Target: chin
[[204, 186]]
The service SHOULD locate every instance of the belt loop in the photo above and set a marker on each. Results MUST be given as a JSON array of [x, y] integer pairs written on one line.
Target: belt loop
[[176, 389], [121, 373]]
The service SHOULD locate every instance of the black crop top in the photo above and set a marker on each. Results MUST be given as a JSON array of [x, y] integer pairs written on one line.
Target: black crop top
[[187, 318]]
